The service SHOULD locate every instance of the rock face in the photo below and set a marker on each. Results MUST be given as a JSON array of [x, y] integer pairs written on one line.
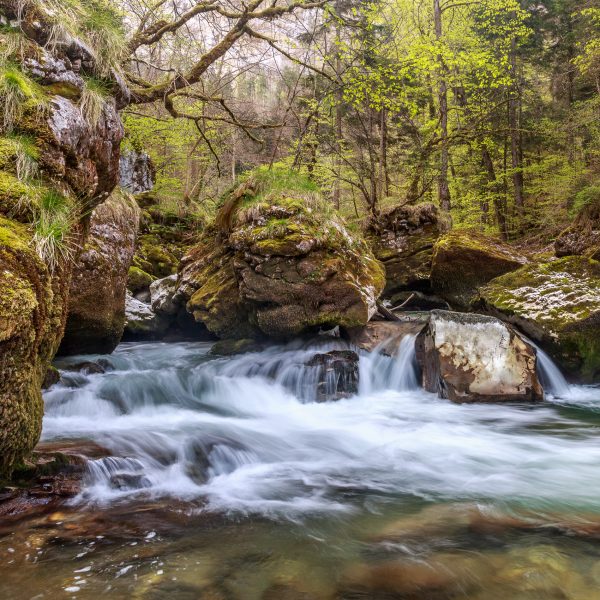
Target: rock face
[[97, 298], [582, 238], [403, 238], [136, 172], [337, 374], [279, 262], [142, 322], [475, 358], [32, 316], [163, 296], [57, 163], [557, 304], [464, 261]]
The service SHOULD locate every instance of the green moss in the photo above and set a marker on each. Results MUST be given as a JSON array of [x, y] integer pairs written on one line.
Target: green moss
[[138, 280]]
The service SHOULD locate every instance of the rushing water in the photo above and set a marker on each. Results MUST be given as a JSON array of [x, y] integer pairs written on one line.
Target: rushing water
[[226, 479]]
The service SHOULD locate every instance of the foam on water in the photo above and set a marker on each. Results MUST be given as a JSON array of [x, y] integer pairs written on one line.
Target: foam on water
[[245, 434]]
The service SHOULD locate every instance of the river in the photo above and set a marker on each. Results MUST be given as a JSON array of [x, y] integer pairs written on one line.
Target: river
[[226, 480]]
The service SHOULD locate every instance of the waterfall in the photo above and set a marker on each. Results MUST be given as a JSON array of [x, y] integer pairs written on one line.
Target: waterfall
[[550, 376]]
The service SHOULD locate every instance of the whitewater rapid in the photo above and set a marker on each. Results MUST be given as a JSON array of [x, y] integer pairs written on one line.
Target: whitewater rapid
[[244, 434]]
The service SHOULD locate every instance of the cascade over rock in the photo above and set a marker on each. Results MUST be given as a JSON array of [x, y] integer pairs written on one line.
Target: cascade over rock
[[475, 358], [71, 166], [403, 238], [583, 236], [385, 336], [278, 262], [557, 304], [464, 261], [98, 285]]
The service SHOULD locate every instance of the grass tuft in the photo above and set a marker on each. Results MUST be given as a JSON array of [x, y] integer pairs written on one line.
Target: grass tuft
[[93, 100], [15, 89]]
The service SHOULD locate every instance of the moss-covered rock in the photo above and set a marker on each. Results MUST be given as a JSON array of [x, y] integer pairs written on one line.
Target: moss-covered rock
[[138, 280], [403, 238], [583, 236], [32, 316], [463, 261], [279, 261], [97, 298], [558, 305]]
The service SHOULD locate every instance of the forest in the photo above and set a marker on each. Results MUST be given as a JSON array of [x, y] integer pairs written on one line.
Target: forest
[[300, 299]]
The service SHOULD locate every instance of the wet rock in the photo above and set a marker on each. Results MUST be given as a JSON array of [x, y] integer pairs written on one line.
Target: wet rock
[[582, 238], [87, 367], [337, 374], [163, 296], [464, 261], [233, 347], [474, 358], [557, 304], [417, 301], [137, 172], [385, 336], [129, 481], [403, 238], [279, 262], [54, 73], [97, 297], [51, 378], [141, 322]]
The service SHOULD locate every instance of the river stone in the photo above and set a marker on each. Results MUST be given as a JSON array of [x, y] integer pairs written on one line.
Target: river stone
[[475, 358], [385, 336], [464, 261], [403, 238], [337, 374], [557, 304], [97, 296]]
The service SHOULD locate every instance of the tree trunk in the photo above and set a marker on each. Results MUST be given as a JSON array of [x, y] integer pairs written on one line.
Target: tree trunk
[[443, 187], [514, 127], [383, 143], [488, 164], [338, 122]]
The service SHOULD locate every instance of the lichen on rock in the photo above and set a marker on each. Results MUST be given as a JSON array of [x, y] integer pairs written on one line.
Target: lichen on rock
[[278, 262], [557, 304]]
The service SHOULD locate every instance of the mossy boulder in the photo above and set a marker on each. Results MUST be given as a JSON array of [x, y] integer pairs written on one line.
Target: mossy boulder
[[279, 262], [463, 261], [403, 238], [98, 285], [557, 304], [582, 238], [138, 280], [32, 318]]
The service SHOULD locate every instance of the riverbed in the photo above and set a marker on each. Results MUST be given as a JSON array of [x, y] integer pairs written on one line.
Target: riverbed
[[225, 479]]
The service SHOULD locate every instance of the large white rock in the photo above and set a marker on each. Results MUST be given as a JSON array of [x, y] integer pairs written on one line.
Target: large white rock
[[141, 321], [162, 295], [474, 358]]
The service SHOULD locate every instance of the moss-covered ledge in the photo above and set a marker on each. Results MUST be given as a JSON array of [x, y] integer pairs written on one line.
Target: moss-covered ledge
[[556, 303]]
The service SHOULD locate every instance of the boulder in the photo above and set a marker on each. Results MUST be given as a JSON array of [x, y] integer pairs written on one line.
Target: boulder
[[403, 238], [385, 336], [557, 304], [337, 374], [97, 298], [141, 322], [137, 172], [32, 316], [279, 262], [463, 261], [583, 236], [138, 280], [475, 358], [163, 296]]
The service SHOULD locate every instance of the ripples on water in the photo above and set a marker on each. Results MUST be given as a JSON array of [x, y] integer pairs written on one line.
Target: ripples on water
[[391, 485]]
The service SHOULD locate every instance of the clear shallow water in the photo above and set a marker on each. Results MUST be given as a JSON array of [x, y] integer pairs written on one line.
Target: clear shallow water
[[236, 482]]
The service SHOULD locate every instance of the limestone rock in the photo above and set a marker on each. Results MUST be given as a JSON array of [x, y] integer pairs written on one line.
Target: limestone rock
[[97, 298], [141, 322], [136, 172], [403, 238], [464, 261], [279, 262], [557, 304], [162, 296], [583, 236], [474, 358]]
